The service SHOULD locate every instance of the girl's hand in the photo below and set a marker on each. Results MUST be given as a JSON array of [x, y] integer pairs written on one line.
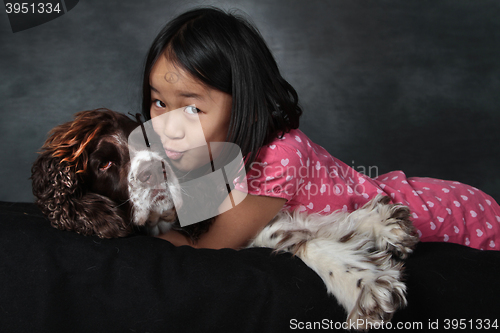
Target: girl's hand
[[236, 227]]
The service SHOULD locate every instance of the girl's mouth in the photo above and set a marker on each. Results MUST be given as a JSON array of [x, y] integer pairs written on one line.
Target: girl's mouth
[[174, 155]]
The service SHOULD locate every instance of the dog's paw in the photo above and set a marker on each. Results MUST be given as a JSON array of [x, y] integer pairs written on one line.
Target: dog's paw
[[153, 230], [157, 228], [164, 226], [396, 233], [377, 302]]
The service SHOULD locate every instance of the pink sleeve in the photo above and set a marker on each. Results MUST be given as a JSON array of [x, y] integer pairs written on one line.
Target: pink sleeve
[[275, 173]]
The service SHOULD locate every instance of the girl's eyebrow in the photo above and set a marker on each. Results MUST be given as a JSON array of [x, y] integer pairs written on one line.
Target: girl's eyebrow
[[185, 94]]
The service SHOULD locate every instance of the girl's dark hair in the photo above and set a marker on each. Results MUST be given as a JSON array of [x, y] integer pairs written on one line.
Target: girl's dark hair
[[226, 52]]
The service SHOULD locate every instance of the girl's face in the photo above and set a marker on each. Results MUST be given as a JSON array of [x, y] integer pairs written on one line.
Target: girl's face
[[186, 114]]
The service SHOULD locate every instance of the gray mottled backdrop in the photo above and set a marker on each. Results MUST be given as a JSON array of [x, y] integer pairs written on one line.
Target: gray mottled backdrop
[[396, 84]]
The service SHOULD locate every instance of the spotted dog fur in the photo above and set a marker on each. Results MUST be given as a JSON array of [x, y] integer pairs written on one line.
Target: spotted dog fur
[[358, 255]]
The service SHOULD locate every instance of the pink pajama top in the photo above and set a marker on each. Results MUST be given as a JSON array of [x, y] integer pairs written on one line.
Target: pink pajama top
[[311, 180]]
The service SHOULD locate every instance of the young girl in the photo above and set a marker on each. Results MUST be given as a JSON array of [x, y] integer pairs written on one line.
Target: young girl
[[218, 64]]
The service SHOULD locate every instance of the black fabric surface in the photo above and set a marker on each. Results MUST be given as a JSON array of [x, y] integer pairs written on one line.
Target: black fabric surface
[[58, 281]]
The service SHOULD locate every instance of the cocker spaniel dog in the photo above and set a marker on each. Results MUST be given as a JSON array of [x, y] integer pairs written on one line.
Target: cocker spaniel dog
[[80, 180], [87, 180]]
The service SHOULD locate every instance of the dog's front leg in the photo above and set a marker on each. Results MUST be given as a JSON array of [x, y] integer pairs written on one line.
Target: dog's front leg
[[366, 282], [389, 225]]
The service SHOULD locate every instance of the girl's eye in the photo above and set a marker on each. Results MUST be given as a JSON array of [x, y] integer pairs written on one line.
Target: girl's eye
[[159, 104], [191, 109], [105, 166]]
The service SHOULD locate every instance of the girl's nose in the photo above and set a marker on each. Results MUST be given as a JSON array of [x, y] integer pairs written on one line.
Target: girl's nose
[[174, 128]]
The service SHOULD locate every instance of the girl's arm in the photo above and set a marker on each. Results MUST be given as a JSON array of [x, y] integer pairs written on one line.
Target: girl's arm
[[235, 227]]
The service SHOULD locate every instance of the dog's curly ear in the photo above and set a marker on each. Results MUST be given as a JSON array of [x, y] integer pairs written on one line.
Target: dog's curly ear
[[57, 180], [60, 196], [53, 185]]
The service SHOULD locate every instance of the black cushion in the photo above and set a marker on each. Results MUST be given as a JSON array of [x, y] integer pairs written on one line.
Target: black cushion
[[59, 281]]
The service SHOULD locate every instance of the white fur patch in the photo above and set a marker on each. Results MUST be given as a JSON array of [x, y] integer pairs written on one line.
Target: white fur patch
[[152, 202]]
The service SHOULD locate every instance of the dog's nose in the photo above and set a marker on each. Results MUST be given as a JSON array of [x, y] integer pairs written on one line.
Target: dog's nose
[[152, 174], [145, 176]]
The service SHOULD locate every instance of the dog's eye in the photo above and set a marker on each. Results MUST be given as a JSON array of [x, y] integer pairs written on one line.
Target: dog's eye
[[105, 166]]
